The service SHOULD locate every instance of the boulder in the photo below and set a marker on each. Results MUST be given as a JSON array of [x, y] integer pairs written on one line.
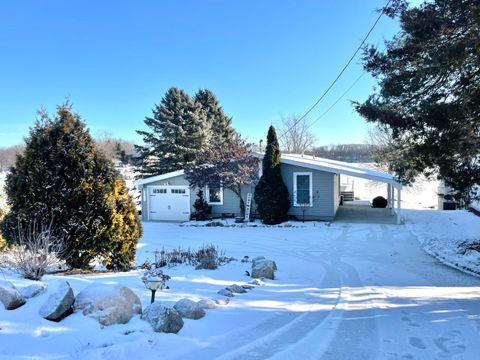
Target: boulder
[[225, 292], [248, 287], [33, 290], [264, 268], [59, 304], [163, 319], [255, 282], [207, 304], [236, 289], [10, 296], [108, 304], [189, 309], [258, 258], [222, 301]]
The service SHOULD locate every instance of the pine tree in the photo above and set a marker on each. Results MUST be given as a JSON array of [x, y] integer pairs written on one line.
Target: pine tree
[[202, 209], [429, 95], [62, 178], [271, 194], [178, 131], [220, 123]]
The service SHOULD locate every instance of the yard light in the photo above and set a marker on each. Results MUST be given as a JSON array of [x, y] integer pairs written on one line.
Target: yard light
[[153, 283]]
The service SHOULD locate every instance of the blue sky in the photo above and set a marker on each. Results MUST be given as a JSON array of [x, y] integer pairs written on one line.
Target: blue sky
[[116, 59]]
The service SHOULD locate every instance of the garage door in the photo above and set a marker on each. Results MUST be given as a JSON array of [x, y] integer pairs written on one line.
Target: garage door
[[170, 203]]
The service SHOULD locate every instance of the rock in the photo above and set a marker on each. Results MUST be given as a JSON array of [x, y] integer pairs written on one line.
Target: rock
[[59, 304], [163, 319], [108, 304], [225, 292], [10, 296], [189, 309], [33, 290], [258, 258], [256, 282], [236, 289], [222, 301], [264, 268], [207, 304], [248, 287], [287, 225]]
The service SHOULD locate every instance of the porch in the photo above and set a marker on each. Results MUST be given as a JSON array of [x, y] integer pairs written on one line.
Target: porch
[[363, 212]]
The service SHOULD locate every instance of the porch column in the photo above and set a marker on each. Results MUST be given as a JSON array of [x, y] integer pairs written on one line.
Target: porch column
[[392, 199], [389, 195], [399, 205]]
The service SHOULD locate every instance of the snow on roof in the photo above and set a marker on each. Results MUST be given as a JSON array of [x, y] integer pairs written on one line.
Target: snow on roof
[[339, 167], [151, 179]]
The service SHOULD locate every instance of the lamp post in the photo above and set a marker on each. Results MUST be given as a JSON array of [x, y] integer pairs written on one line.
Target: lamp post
[[153, 283]]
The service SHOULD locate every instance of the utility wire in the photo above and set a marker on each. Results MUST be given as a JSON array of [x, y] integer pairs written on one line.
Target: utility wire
[[339, 75], [336, 101]]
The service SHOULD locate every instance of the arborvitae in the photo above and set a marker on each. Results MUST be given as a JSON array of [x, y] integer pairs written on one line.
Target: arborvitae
[[62, 178], [220, 123], [202, 209], [271, 194], [178, 131]]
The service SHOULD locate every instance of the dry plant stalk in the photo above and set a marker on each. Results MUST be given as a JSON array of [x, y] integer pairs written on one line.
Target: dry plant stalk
[[38, 248]]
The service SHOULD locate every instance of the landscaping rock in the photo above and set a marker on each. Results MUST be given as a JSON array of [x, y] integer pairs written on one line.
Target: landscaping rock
[[214, 224], [59, 304], [258, 258], [189, 309], [108, 304], [236, 289], [256, 282], [264, 268], [163, 319], [207, 304], [222, 301], [225, 292], [33, 290], [10, 296], [248, 287]]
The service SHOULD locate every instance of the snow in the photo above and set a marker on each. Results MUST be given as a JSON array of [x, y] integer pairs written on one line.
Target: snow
[[342, 291]]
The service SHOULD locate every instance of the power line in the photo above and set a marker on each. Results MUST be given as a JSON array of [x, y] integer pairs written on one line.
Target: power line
[[339, 75], [336, 101]]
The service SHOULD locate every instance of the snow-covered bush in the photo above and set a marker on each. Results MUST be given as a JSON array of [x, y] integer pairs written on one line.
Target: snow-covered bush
[[38, 248], [202, 209], [206, 257]]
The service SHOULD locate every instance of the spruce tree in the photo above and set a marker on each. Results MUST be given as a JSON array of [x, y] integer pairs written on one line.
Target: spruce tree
[[178, 131], [428, 98], [271, 194], [202, 209], [62, 178], [220, 123]]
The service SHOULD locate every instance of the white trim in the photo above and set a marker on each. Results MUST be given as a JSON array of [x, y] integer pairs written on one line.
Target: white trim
[[151, 179], [207, 196], [310, 175]]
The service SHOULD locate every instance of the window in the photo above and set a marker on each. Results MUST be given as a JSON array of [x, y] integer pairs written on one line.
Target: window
[[302, 189], [159, 191], [178, 191], [214, 195]]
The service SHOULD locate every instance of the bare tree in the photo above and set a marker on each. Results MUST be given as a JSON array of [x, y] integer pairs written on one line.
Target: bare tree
[[112, 147], [37, 248], [8, 154], [295, 135]]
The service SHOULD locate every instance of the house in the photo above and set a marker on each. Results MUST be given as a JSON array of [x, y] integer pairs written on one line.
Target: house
[[313, 184]]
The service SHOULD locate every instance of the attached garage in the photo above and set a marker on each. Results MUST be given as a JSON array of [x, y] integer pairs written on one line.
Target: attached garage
[[168, 203]]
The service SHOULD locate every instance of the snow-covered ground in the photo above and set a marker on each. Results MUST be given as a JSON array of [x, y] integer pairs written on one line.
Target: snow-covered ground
[[343, 291]]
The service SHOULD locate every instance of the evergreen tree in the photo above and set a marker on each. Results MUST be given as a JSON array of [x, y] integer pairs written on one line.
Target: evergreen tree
[[202, 209], [178, 131], [220, 123], [271, 194], [62, 178], [429, 94]]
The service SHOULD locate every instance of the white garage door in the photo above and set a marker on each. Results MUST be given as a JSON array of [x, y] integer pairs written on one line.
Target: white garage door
[[170, 203]]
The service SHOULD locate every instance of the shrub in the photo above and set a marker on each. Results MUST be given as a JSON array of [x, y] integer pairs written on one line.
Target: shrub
[[62, 176], [271, 194], [38, 248], [379, 202], [202, 209]]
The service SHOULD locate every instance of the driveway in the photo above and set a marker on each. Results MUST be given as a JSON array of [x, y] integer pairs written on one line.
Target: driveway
[[344, 291]]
